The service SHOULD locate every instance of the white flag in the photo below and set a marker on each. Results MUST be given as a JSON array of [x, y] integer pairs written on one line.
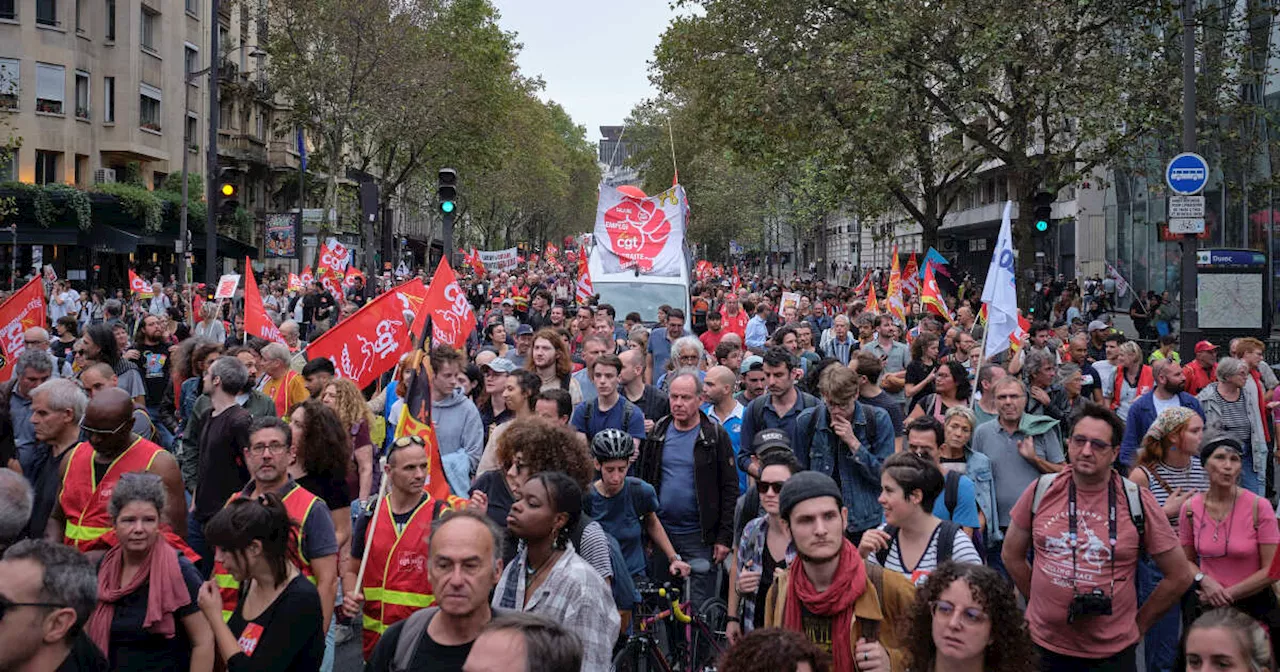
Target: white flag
[[1000, 292], [1122, 286]]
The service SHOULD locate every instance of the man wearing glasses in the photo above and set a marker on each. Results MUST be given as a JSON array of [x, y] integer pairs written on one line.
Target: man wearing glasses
[[89, 474], [36, 338], [47, 592], [1089, 526], [268, 456]]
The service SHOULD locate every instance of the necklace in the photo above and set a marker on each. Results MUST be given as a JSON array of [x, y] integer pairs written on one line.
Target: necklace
[[531, 571]]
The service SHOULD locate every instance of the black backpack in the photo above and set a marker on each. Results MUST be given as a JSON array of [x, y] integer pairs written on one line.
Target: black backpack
[[951, 492], [946, 539]]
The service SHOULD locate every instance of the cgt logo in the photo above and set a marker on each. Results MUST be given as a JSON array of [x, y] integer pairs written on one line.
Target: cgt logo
[[638, 230]]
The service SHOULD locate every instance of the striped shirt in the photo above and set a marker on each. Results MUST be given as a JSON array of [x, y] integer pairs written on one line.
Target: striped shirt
[[962, 550], [842, 351], [1235, 416], [1189, 478]]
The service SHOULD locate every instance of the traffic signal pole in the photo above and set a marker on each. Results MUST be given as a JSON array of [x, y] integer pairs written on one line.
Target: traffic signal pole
[[1189, 330], [211, 158]]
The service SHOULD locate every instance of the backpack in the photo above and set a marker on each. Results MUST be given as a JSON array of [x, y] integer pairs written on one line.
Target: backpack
[[951, 492], [946, 539], [803, 400], [867, 414], [594, 407], [622, 586], [1132, 497]]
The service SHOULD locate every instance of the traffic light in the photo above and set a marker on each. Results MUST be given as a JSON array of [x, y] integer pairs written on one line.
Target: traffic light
[[1043, 211], [447, 190], [228, 192]]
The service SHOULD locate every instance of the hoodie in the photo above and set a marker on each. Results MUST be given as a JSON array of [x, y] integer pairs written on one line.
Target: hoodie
[[458, 427]]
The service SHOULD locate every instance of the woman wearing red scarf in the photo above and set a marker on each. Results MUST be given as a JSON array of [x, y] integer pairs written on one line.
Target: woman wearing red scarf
[[829, 591], [146, 588]]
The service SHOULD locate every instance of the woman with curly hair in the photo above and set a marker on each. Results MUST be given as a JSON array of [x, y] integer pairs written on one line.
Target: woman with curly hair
[[348, 403], [775, 650], [959, 613], [323, 458]]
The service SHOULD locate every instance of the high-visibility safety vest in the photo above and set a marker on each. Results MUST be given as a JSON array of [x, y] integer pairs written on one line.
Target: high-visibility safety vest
[[281, 396], [395, 578], [84, 502], [298, 503]]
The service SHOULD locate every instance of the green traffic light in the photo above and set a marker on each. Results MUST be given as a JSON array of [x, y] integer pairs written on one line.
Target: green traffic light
[[1042, 226], [446, 206]]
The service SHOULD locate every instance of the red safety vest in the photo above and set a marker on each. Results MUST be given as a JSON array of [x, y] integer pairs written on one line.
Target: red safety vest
[[298, 503], [1145, 384], [281, 395], [395, 579], [84, 503]]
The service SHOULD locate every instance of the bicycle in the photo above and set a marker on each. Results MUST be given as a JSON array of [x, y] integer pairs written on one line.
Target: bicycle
[[705, 639]]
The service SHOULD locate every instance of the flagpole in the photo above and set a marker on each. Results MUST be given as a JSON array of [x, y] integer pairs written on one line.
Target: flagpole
[[373, 525]]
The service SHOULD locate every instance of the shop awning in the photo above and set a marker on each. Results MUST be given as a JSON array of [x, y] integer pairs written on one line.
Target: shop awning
[[109, 239]]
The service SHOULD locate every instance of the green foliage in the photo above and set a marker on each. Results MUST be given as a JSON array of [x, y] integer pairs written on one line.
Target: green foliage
[[132, 174], [74, 200], [137, 201], [195, 184]]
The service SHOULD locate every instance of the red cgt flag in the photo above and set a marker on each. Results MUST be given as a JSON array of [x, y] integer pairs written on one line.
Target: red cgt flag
[[307, 278], [372, 341], [136, 284], [452, 319], [256, 321], [25, 309]]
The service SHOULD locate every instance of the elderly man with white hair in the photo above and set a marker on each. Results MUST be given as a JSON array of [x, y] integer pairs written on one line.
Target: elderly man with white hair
[[837, 342], [57, 407], [282, 384], [687, 353], [15, 507], [37, 338]]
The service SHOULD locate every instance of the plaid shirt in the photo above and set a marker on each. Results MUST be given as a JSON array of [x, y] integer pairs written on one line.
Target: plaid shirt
[[572, 595], [750, 557]]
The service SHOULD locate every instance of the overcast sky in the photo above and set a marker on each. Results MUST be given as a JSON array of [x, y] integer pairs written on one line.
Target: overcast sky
[[593, 54]]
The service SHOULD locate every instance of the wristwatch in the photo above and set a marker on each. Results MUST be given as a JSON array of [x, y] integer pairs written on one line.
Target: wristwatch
[[1195, 583], [675, 558]]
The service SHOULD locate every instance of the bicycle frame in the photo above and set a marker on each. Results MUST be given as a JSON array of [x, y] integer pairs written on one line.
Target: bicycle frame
[[692, 622]]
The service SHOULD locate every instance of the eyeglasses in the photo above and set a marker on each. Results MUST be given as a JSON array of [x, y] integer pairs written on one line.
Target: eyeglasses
[[105, 432], [6, 604], [775, 486], [277, 447], [969, 616], [1079, 441]]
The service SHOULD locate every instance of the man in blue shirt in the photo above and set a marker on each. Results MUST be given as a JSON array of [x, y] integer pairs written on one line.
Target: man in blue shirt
[[758, 328], [779, 408], [725, 411], [608, 409], [660, 341], [925, 436]]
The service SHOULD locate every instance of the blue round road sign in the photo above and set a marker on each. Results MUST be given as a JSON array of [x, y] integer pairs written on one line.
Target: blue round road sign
[[1187, 174]]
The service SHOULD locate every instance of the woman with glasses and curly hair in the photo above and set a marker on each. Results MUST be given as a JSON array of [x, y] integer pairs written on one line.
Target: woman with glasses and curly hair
[[348, 403], [966, 617], [548, 578]]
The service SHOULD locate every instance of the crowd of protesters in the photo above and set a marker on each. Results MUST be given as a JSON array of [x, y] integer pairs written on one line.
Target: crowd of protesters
[[868, 490]]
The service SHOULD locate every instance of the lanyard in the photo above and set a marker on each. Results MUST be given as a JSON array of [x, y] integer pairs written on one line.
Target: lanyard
[[1111, 530]]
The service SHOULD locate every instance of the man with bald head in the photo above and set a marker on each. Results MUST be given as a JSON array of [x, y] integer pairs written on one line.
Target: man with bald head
[[93, 467], [99, 377], [650, 400], [725, 410]]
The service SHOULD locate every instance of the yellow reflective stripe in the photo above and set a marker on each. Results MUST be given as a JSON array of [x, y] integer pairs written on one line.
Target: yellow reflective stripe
[[226, 581], [312, 579], [399, 597], [84, 532], [226, 616], [373, 625]]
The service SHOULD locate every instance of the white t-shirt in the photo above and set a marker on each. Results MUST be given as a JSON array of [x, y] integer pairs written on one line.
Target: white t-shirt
[[962, 550], [1172, 402]]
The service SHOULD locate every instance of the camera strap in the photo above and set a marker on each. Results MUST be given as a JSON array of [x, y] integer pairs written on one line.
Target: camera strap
[[1111, 530]]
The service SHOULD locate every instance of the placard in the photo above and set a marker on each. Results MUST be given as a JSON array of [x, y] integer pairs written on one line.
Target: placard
[[227, 286]]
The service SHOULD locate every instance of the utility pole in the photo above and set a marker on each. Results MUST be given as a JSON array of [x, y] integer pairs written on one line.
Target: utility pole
[[211, 157], [1189, 332]]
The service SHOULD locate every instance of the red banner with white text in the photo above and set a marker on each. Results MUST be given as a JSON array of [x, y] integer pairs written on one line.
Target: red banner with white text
[[452, 319], [256, 321], [25, 309], [371, 342]]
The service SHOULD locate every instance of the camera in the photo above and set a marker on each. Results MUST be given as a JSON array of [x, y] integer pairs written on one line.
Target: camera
[[1092, 603]]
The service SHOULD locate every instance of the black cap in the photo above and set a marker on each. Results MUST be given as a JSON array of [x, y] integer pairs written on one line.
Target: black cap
[[806, 485], [769, 438]]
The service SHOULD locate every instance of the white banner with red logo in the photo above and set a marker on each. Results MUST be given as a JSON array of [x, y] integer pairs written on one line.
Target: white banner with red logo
[[25, 309], [642, 233], [227, 286], [256, 321], [371, 342], [452, 319], [499, 260]]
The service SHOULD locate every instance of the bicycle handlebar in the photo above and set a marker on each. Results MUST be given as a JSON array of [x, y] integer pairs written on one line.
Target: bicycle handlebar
[[675, 606]]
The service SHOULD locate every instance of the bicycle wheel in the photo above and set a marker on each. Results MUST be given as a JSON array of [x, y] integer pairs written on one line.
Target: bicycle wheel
[[714, 614], [635, 656]]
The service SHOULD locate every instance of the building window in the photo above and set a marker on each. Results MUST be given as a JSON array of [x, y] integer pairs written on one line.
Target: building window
[[149, 108], [157, 179], [9, 11], [193, 7], [51, 88], [261, 127], [191, 56], [8, 164], [192, 133], [109, 100], [150, 27], [82, 95], [9, 80], [79, 17], [47, 12], [82, 169], [111, 20], [47, 166]]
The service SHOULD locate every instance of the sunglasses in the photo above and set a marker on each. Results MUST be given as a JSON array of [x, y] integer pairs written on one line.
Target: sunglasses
[[775, 486], [406, 441], [6, 604], [91, 430]]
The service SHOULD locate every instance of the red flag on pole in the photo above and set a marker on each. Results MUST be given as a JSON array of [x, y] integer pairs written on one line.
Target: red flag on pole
[[872, 305], [452, 319], [931, 296], [584, 291], [25, 309], [307, 278], [256, 321], [371, 341], [911, 277], [142, 287]]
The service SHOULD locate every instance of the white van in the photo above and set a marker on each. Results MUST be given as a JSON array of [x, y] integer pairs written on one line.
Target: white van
[[631, 291]]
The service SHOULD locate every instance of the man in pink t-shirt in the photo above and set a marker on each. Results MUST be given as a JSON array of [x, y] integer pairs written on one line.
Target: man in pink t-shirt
[[1061, 581]]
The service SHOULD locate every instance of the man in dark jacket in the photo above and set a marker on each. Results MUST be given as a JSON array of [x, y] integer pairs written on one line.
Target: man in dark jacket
[[1168, 392], [689, 461]]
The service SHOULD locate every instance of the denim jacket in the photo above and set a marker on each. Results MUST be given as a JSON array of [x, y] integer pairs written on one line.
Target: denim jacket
[[978, 469], [858, 473]]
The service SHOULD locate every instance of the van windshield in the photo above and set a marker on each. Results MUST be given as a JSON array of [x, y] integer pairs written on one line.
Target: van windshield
[[640, 297]]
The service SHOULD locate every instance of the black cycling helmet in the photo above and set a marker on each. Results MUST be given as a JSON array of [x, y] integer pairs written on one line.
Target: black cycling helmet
[[612, 444]]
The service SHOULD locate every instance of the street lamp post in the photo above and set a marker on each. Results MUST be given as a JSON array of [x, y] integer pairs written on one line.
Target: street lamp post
[[211, 158]]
